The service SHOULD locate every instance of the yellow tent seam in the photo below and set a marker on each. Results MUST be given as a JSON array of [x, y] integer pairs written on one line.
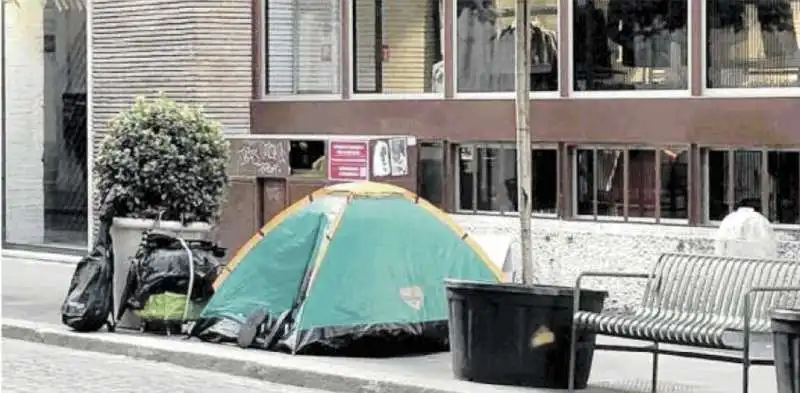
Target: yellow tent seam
[[323, 252]]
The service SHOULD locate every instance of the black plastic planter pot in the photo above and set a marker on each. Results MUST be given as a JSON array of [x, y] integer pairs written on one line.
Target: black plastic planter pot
[[510, 334], [786, 332]]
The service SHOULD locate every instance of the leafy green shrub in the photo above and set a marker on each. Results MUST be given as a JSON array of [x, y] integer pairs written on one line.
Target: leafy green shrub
[[163, 158]]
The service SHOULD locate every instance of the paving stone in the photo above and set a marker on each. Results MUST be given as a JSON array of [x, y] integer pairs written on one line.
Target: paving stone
[[30, 367]]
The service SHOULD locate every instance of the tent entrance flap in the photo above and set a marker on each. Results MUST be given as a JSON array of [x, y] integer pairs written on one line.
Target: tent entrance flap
[[284, 256]]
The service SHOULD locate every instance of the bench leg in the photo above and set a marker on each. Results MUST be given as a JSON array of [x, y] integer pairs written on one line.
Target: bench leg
[[745, 376], [654, 383], [573, 344]]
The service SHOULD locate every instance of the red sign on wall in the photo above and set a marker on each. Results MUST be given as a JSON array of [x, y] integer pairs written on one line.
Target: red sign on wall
[[348, 160]]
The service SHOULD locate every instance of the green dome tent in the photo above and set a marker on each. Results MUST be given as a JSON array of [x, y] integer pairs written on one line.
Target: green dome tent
[[352, 268]]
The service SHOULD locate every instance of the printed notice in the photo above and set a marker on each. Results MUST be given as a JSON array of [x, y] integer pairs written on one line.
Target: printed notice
[[348, 160]]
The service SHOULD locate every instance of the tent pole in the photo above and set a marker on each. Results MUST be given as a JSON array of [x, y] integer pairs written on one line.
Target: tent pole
[[524, 159]]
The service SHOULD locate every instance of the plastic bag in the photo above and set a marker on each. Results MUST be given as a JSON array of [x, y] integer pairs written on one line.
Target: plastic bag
[[89, 302], [162, 265]]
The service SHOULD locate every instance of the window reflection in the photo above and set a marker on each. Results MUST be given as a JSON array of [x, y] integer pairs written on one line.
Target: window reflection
[[674, 197], [430, 172], [485, 45], [396, 46], [302, 47], [752, 43], [601, 180], [630, 44], [45, 129], [784, 180], [642, 183], [732, 187], [488, 175]]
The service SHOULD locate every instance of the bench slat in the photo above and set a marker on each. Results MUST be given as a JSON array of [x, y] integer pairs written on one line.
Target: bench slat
[[716, 285]]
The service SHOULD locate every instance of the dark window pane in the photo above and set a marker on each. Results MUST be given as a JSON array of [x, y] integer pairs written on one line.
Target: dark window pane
[[396, 46], [585, 170], [466, 178], [718, 204], [784, 176], [630, 44], [751, 44], [510, 177], [610, 197], [674, 184], [747, 179], [307, 158], [430, 173], [484, 47], [492, 195], [642, 183], [545, 183]]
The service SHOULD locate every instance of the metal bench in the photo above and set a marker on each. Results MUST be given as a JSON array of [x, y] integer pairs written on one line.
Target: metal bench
[[714, 307]]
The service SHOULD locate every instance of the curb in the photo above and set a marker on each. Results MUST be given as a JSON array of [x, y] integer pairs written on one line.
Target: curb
[[201, 356]]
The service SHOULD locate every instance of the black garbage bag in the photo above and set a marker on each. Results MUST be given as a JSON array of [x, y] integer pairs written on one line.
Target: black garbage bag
[[161, 264], [89, 303]]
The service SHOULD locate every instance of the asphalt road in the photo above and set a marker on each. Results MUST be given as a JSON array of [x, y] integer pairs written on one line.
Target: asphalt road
[[30, 367]]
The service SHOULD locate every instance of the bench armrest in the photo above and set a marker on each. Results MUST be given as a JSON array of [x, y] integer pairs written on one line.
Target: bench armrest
[[748, 312], [576, 299], [609, 275], [748, 299]]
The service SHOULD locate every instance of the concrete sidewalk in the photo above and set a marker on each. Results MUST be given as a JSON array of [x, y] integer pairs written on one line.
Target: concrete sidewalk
[[32, 294]]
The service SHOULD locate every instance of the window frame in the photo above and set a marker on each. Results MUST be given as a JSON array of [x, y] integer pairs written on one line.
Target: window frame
[[733, 92], [452, 75], [503, 146], [638, 94], [373, 96], [764, 191], [263, 50], [625, 218]]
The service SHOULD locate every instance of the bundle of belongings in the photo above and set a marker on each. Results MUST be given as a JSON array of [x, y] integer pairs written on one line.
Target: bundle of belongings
[[89, 303], [170, 280], [168, 284]]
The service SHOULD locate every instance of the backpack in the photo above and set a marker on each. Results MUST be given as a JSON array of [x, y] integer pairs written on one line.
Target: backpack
[[89, 302]]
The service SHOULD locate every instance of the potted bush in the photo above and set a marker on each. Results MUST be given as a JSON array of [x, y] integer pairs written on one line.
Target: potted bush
[[163, 164]]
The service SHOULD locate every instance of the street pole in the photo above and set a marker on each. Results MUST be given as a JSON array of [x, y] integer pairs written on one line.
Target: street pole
[[524, 161]]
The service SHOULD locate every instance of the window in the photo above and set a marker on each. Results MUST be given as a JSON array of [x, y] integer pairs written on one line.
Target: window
[[430, 172], [487, 179], [734, 180], [674, 192], [302, 47], [484, 49], [634, 183], [397, 46], [784, 181], [307, 158], [45, 194], [752, 44], [630, 45], [740, 184]]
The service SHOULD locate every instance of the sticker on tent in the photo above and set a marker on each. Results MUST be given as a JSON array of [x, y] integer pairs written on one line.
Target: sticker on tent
[[412, 296]]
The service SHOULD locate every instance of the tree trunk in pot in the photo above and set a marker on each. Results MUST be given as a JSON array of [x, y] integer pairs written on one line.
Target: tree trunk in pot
[[126, 235]]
